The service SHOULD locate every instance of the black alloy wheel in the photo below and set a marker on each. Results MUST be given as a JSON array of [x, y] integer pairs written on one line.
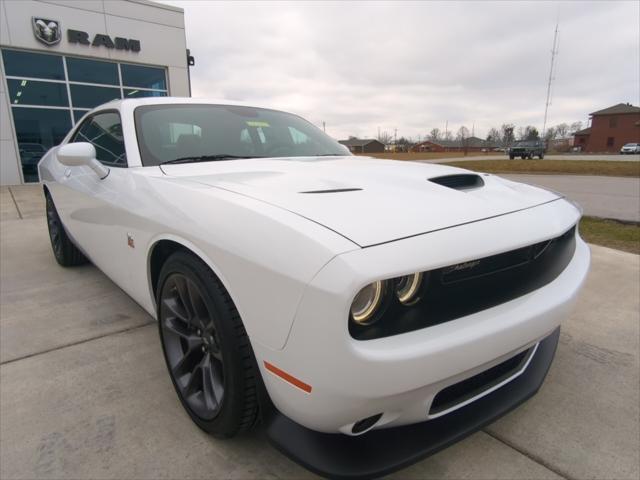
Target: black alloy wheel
[[206, 347], [55, 228], [64, 251], [192, 346]]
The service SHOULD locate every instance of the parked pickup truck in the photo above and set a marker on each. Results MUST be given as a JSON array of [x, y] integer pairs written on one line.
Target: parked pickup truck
[[527, 149]]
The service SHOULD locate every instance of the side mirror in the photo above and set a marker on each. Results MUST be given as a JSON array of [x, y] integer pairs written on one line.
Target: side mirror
[[81, 153]]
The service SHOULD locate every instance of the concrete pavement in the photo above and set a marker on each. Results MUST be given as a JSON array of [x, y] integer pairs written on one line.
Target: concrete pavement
[[607, 197], [84, 391]]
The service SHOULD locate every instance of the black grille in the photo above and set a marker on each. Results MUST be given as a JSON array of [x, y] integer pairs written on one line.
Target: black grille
[[459, 182], [474, 386], [458, 290]]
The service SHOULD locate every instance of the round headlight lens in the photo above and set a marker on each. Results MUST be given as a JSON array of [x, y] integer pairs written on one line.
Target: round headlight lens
[[408, 288], [366, 303]]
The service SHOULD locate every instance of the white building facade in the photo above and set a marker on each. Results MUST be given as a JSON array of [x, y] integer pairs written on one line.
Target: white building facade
[[62, 58]]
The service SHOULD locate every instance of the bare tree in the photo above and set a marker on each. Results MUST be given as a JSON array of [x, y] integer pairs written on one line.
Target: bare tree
[[447, 136], [575, 127], [550, 134], [494, 136], [463, 137], [507, 134], [384, 137], [434, 135], [562, 130]]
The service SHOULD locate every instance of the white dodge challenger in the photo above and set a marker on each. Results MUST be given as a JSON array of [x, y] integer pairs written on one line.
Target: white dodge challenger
[[369, 312]]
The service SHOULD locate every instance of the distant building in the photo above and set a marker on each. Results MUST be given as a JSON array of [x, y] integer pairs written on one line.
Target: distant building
[[471, 144], [610, 129], [581, 137], [366, 145]]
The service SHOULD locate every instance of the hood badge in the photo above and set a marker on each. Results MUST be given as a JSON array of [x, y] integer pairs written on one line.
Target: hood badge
[[130, 241]]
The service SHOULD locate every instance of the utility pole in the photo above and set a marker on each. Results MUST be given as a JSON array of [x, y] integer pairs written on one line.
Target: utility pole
[[324, 127], [554, 52]]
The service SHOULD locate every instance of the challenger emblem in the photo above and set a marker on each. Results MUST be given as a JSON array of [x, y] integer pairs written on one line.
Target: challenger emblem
[[463, 266], [130, 241], [46, 30]]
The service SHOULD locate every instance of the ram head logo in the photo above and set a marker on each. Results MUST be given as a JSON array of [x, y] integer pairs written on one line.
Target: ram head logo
[[46, 30]]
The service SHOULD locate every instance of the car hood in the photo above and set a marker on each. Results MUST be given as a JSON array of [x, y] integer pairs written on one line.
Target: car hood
[[369, 201]]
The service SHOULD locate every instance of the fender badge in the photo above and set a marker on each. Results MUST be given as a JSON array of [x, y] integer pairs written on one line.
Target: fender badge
[[130, 241]]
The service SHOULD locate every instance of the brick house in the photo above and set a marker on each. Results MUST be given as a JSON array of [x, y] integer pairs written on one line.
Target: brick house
[[610, 129], [471, 144], [367, 145]]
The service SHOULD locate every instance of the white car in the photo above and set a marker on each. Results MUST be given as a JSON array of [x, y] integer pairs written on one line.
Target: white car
[[630, 148], [370, 312]]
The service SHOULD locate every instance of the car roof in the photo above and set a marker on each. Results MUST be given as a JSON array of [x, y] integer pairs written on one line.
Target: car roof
[[134, 102]]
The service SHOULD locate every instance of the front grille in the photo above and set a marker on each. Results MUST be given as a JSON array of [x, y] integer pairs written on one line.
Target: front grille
[[458, 290], [473, 386]]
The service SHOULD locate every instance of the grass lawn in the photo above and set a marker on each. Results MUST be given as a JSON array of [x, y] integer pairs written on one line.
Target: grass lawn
[[416, 155], [573, 167], [612, 234]]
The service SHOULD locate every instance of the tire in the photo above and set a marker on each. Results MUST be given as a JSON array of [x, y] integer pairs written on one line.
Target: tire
[[206, 348], [511, 157], [64, 251], [541, 156]]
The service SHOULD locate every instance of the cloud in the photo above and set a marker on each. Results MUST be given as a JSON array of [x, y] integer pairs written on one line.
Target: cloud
[[414, 66]]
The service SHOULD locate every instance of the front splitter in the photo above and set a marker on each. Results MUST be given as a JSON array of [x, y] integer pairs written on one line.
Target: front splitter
[[380, 452]]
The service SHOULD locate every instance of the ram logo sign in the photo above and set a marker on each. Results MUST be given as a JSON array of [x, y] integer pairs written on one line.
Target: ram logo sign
[[46, 30], [118, 43]]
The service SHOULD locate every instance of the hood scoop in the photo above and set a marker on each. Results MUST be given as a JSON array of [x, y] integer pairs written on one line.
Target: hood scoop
[[334, 190], [463, 181]]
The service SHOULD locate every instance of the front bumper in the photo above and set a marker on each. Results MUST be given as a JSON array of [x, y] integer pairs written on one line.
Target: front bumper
[[381, 452], [401, 375]]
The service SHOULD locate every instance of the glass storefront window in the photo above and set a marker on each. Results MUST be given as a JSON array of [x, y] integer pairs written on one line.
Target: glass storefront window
[[38, 127], [32, 65], [37, 130], [143, 93], [144, 77], [92, 71], [86, 96], [32, 92], [78, 114]]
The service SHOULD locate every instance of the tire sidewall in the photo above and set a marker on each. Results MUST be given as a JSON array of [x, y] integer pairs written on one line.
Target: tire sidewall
[[224, 424]]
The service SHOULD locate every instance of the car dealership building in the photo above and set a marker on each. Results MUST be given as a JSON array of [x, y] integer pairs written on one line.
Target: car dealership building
[[60, 58]]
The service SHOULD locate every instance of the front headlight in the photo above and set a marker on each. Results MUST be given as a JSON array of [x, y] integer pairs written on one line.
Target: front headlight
[[367, 302], [408, 289]]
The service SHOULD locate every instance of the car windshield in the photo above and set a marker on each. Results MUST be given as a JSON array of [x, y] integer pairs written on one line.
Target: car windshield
[[528, 143], [183, 133]]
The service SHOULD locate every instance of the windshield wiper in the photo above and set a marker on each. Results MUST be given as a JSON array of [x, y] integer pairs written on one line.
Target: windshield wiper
[[205, 158]]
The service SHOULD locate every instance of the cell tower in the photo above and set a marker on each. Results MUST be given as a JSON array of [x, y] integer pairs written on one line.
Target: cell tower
[[554, 52]]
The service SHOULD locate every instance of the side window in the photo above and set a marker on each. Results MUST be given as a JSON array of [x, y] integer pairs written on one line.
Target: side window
[[104, 131]]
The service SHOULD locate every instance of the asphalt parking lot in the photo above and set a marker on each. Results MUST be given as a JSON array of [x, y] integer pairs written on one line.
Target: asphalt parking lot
[[84, 392], [599, 196]]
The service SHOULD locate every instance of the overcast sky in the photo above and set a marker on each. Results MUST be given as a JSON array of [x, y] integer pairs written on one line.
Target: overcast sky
[[413, 66]]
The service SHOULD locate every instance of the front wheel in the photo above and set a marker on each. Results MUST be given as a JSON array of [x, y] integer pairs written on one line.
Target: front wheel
[[206, 348], [541, 156]]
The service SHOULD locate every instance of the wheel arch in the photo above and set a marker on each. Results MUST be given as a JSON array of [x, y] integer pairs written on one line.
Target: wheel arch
[[162, 248]]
